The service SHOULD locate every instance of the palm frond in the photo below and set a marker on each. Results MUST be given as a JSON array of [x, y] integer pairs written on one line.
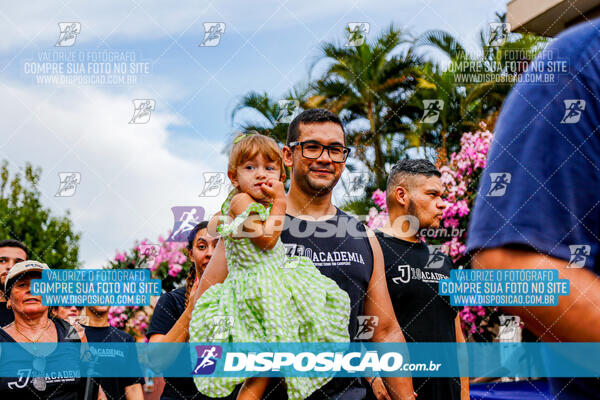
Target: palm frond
[[443, 41], [261, 102]]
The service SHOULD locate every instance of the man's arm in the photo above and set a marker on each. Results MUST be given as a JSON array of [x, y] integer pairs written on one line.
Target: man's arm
[[134, 392], [378, 303], [464, 380], [577, 316], [216, 270]]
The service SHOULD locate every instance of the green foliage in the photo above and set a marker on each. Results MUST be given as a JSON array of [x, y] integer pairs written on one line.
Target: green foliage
[[467, 103], [378, 89], [23, 217], [370, 84], [268, 109]]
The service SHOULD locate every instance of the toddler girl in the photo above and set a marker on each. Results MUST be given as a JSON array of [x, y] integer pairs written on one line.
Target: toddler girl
[[267, 296]]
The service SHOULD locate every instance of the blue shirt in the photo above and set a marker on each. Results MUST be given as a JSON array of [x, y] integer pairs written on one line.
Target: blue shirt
[[114, 388], [541, 185], [552, 198]]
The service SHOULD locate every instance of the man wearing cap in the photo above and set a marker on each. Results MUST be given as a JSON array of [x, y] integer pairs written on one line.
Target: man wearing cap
[[11, 252]]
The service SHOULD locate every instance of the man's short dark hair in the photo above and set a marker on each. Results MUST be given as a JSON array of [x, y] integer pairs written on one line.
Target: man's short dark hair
[[15, 243], [407, 168], [312, 116]]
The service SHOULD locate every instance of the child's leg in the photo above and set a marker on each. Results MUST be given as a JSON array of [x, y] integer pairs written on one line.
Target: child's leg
[[253, 389]]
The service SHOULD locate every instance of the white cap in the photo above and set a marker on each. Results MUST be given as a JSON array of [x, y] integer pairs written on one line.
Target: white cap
[[22, 267]]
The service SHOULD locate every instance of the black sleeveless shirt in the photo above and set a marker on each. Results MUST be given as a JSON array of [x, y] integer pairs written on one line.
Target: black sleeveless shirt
[[340, 249], [61, 384]]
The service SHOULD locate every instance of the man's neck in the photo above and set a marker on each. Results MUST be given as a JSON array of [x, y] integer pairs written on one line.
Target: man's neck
[[95, 320], [300, 203], [399, 230]]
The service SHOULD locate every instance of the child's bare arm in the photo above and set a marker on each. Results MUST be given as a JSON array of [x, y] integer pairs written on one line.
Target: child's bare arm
[[262, 233]]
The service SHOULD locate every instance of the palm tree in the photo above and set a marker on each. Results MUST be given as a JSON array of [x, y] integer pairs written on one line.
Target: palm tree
[[467, 103], [367, 85], [269, 111], [437, 85]]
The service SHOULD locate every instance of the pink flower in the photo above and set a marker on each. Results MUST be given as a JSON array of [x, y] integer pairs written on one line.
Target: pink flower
[[455, 248], [174, 269], [462, 208], [378, 198], [120, 257], [376, 219], [451, 223]]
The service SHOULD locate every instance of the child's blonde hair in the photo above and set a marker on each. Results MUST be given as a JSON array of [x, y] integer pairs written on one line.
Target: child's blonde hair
[[248, 145]]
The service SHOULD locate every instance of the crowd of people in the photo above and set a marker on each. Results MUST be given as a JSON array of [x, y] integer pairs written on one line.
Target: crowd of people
[[363, 278], [280, 286]]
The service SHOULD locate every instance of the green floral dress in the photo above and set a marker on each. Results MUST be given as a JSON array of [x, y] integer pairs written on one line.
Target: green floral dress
[[267, 297]]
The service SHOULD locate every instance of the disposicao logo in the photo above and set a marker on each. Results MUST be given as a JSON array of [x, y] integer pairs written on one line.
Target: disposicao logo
[[207, 359], [317, 362]]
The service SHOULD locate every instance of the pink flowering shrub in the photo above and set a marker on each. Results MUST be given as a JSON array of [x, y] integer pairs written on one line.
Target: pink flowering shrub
[[133, 320], [377, 218], [478, 322], [460, 179], [166, 261]]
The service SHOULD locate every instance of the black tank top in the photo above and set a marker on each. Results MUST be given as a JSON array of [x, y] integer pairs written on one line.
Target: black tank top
[[340, 249], [61, 384]]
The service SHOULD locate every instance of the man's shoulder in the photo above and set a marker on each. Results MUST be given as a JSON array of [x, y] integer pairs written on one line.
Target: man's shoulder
[[581, 33], [341, 218], [351, 218], [579, 45]]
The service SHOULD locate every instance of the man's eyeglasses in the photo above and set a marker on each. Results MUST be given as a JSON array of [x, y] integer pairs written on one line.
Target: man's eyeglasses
[[313, 150]]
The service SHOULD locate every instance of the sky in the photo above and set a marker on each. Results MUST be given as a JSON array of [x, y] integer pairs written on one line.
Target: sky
[[131, 174]]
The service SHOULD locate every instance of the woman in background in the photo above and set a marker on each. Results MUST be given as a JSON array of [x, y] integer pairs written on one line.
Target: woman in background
[[68, 313], [173, 311]]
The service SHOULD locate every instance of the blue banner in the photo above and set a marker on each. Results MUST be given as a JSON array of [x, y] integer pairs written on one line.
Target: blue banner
[[302, 359], [504, 287], [96, 287]]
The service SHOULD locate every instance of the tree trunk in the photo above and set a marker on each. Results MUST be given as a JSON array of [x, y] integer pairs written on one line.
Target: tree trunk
[[379, 162], [442, 158]]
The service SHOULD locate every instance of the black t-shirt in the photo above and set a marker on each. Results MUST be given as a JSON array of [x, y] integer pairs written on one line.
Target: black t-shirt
[[412, 272], [60, 385], [168, 309], [114, 388], [340, 250], [6, 315]]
